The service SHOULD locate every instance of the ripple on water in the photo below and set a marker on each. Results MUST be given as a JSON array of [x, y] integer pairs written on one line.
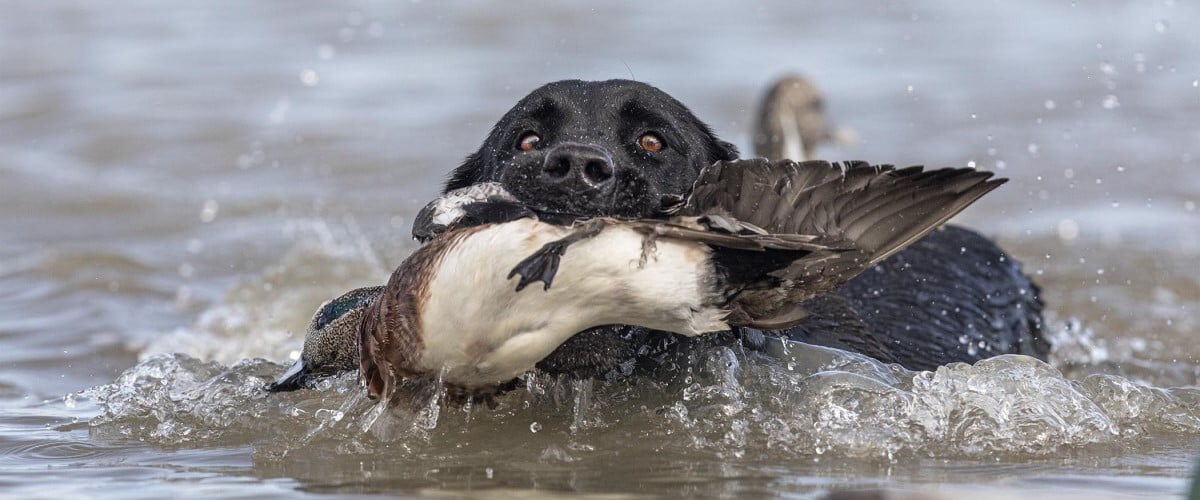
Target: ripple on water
[[52, 451]]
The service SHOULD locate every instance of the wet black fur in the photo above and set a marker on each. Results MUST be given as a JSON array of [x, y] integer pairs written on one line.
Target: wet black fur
[[924, 307], [610, 116]]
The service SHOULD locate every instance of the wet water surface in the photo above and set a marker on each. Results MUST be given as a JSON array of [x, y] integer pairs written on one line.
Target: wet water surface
[[183, 185]]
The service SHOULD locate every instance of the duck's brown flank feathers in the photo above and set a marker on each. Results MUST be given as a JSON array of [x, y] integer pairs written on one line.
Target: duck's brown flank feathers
[[390, 336]]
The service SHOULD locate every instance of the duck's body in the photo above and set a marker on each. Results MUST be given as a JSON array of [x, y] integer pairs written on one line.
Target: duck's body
[[475, 329], [753, 242]]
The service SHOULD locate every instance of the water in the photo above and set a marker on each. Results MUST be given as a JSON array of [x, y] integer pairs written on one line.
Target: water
[[183, 185]]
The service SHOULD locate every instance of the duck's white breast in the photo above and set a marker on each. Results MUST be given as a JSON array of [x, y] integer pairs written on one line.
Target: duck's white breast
[[480, 330]]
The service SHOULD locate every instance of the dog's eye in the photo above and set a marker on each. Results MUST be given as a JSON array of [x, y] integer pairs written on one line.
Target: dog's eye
[[529, 141], [650, 142]]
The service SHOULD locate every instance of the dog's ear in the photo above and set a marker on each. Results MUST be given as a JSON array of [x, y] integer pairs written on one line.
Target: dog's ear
[[716, 149], [466, 174], [724, 151]]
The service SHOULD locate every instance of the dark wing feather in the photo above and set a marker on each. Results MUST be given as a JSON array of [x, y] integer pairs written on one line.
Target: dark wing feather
[[714, 232], [843, 219], [874, 210], [483, 203]]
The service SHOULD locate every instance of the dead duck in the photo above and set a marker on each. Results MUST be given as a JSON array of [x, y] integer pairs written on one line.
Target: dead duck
[[751, 242]]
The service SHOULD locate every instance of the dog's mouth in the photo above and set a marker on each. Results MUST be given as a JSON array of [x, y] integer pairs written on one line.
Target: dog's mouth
[[619, 201], [567, 205]]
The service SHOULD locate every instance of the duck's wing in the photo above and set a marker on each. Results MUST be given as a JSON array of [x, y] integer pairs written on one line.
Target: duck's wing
[[783, 232], [477, 204], [872, 210], [842, 218]]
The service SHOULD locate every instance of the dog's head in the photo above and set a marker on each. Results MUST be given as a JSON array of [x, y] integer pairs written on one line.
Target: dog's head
[[616, 147]]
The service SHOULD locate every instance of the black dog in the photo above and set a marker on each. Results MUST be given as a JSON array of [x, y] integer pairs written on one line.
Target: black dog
[[625, 148], [621, 148]]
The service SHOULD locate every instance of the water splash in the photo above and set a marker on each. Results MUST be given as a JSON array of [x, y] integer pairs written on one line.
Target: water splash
[[730, 403], [265, 315]]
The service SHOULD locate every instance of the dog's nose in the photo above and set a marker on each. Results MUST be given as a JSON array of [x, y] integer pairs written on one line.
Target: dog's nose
[[586, 166]]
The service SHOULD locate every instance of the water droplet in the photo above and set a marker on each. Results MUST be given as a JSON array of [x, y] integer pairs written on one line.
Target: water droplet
[[490, 473], [971, 164], [209, 211], [325, 51], [309, 77], [1195, 83], [1189, 205], [1108, 69], [329, 415], [1069, 173], [1110, 102], [909, 89], [534, 427], [1068, 230], [186, 270], [1161, 26], [1050, 104], [1032, 148]]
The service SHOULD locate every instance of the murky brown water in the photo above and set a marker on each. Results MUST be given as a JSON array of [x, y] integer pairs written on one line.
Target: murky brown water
[[197, 178]]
